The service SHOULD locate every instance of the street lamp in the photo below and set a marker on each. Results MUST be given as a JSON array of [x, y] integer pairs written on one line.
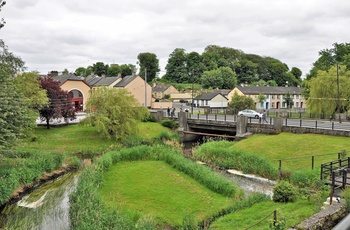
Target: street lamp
[[338, 92], [192, 96]]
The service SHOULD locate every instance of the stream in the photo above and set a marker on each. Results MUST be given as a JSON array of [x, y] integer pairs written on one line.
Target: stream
[[47, 207]]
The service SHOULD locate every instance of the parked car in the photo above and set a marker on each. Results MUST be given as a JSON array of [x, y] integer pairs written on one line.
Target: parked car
[[249, 113]]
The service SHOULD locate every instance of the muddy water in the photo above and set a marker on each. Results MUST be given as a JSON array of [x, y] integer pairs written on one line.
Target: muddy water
[[47, 207]]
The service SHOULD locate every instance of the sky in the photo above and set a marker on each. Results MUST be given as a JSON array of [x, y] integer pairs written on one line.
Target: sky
[[67, 34]]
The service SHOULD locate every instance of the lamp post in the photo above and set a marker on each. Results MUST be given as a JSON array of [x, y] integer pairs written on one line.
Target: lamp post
[[192, 97], [146, 87], [338, 93]]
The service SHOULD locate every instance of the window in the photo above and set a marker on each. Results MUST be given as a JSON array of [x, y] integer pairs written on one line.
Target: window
[[272, 96], [273, 105]]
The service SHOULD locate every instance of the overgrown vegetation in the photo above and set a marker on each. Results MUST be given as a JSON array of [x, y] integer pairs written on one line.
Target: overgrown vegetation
[[87, 194]]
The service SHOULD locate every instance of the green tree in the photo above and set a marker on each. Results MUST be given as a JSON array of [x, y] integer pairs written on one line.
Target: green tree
[[323, 93], [247, 72], [80, 71], [99, 68], [296, 73], [115, 112], [195, 67], [240, 102], [176, 70], [113, 70], [150, 63], [127, 69], [15, 116], [229, 78], [288, 100], [65, 71], [212, 79], [2, 21], [29, 84], [261, 98]]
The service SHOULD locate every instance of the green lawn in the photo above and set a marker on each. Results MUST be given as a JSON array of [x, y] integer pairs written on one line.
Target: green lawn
[[78, 138], [301, 147], [293, 213], [157, 189]]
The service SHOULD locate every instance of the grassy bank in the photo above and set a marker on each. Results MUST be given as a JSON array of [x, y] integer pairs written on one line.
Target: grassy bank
[[157, 181]]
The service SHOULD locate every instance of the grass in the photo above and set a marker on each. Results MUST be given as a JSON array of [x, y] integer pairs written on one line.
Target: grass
[[295, 150], [157, 189], [293, 213], [76, 138]]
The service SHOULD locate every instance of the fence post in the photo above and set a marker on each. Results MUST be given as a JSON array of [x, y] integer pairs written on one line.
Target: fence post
[[215, 116], [274, 218], [301, 121], [206, 116], [316, 124], [313, 162], [332, 189], [321, 172], [198, 116], [338, 156], [286, 122], [344, 177], [332, 125], [225, 115]]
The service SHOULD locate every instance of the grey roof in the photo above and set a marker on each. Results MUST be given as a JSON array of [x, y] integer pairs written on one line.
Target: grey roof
[[224, 92], [208, 96], [65, 77], [125, 81], [251, 90], [160, 88], [95, 80]]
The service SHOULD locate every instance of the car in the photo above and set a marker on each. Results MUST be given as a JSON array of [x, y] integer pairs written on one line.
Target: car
[[249, 113]]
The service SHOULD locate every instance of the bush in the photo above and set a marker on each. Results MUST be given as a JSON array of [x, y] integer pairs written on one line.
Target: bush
[[284, 192], [170, 124], [346, 197]]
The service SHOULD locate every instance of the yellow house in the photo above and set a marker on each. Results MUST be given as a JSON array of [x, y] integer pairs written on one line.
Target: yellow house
[[79, 87], [160, 90], [274, 96]]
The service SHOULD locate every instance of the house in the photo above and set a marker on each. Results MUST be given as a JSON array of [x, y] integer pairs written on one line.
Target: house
[[160, 90], [211, 100], [76, 86], [79, 87], [274, 96], [136, 86]]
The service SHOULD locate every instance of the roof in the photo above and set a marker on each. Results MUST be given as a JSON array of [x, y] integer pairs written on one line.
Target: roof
[[224, 92], [208, 96], [160, 87], [63, 78], [269, 90], [125, 81], [95, 80]]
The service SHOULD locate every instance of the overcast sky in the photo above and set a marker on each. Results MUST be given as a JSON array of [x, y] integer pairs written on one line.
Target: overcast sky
[[58, 34]]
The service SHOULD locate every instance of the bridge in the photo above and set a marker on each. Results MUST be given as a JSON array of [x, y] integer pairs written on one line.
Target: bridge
[[192, 125]]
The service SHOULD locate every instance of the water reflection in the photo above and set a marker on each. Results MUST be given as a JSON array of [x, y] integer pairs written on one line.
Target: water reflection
[[47, 207]]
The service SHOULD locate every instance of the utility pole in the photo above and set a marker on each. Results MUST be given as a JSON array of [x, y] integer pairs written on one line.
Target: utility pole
[[338, 93], [146, 87], [192, 94]]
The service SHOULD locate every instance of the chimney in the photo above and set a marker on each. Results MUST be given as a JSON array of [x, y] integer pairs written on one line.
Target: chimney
[[53, 73]]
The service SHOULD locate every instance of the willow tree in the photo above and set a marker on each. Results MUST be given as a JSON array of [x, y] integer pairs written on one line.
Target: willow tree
[[115, 112], [323, 96]]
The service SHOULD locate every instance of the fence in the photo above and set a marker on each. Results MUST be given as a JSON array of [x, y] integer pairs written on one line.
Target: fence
[[313, 159], [267, 216]]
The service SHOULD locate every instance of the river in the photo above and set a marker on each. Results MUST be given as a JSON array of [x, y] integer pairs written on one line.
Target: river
[[47, 207]]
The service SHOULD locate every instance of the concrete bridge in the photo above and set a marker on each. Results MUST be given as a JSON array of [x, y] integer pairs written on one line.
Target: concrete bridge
[[233, 126]]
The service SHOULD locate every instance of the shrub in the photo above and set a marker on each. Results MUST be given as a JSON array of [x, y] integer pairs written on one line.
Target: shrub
[[284, 192], [170, 124], [149, 118], [346, 197]]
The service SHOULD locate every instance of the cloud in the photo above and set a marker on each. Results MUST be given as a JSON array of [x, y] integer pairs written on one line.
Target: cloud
[[62, 34]]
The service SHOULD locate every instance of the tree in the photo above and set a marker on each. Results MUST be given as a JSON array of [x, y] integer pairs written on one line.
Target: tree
[[261, 99], [59, 102], [176, 70], [65, 71], [80, 71], [113, 70], [9, 61], [149, 62], [323, 93], [115, 112], [222, 78], [15, 116], [2, 21], [29, 84], [240, 102], [288, 100], [296, 72], [99, 68], [127, 70], [195, 67]]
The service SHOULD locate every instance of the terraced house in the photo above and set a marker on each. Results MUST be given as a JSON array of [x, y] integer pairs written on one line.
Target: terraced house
[[274, 96]]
